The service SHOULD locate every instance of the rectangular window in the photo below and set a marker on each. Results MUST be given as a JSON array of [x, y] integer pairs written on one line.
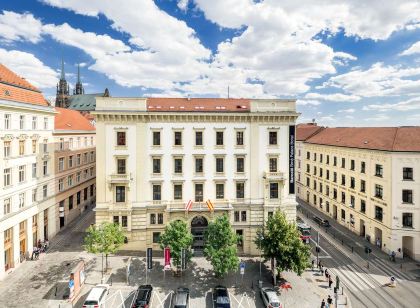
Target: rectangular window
[[407, 173], [44, 191], [335, 194], [178, 165], [119, 194], [314, 170], [307, 182], [34, 194], [34, 123], [160, 218], [220, 191], [343, 214], [219, 138], [34, 171], [121, 166], [343, 197], [240, 190], [362, 186], [240, 138], [33, 146], [273, 164], [85, 157], [236, 216], [153, 219], [240, 164], [308, 168], [121, 139], [157, 192], [61, 144], [199, 138], [61, 164], [178, 138], [71, 161], [91, 190], [379, 170], [70, 180], [156, 138], [60, 185], [78, 159], [352, 164], [78, 142], [156, 165], [343, 180], [45, 146], [7, 121], [116, 220], [243, 215], [378, 213], [45, 167], [45, 123], [198, 165], [352, 182], [308, 155], [156, 237], [6, 151], [78, 174], [22, 122], [321, 158], [21, 147], [272, 138], [320, 172], [274, 190], [328, 159], [352, 201], [21, 200], [22, 173], [407, 196], [363, 206], [343, 163], [177, 191], [379, 191], [314, 156], [85, 193], [70, 202], [327, 190], [407, 220], [335, 161], [124, 222], [328, 174], [6, 206], [71, 145], [219, 164], [335, 177], [199, 192]]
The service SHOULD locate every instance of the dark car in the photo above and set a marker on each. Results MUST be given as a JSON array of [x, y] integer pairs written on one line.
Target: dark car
[[221, 297], [143, 296], [321, 222], [182, 298]]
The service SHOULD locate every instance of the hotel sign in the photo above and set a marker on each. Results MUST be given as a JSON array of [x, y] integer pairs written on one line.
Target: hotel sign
[[292, 130]]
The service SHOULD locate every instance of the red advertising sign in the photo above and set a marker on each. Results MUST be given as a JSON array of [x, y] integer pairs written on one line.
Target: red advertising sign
[[167, 254]]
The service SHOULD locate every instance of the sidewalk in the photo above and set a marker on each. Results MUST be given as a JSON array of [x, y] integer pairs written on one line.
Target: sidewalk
[[353, 241]]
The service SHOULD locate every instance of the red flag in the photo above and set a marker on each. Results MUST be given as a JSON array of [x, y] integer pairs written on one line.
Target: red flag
[[188, 206]]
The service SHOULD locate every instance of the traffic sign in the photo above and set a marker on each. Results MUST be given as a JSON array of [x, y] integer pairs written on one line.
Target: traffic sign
[[242, 268]]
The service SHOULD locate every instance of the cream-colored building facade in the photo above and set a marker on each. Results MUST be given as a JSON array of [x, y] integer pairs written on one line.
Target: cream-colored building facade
[[75, 165], [155, 155], [367, 179]]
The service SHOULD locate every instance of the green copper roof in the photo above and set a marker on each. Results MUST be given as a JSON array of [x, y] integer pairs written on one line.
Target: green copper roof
[[83, 102]]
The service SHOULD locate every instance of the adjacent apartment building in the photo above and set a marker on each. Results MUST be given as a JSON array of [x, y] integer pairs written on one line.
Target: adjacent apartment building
[[27, 203], [164, 159], [74, 163], [366, 178]]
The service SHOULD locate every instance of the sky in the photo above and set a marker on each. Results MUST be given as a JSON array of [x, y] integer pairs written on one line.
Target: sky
[[346, 62]]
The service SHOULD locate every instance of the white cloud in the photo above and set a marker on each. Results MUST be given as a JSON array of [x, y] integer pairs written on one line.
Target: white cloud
[[378, 118], [407, 105], [350, 110], [29, 67], [335, 97], [183, 4], [349, 117], [413, 49], [19, 27], [304, 102]]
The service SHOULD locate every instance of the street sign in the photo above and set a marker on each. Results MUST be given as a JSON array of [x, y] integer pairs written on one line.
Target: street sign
[[149, 258], [242, 268], [183, 259]]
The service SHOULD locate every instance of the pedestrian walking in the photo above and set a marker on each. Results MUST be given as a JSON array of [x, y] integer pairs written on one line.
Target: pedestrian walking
[[323, 303], [319, 264], [329, 300], [326, 274], [330, 282]]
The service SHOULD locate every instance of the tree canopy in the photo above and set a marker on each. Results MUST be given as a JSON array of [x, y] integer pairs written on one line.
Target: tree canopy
[[280, 240], [221, 246], [177, 236]]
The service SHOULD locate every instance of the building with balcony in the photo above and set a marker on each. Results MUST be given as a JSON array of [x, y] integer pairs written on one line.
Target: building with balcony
[[74, 164], [366, 178], [27, 211], [164, 159]]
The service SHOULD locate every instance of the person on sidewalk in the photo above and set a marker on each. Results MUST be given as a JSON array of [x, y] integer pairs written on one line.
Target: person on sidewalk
[[323, 303], [330, 282], [326, 274], [329, 300]]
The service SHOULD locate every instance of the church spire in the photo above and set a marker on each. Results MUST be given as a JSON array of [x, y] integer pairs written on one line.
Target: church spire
[[63, 75], [61, 96], [79, 87], [78, 73]]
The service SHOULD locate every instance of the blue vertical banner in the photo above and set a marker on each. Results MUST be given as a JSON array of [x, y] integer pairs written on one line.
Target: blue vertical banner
[[292, 130]]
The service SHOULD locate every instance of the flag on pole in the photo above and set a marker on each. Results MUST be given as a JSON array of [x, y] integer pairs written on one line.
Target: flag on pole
[[210, 205], [188, 206]]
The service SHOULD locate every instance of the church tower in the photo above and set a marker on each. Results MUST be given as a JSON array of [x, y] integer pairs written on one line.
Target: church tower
[[79, 87], [63, 89]]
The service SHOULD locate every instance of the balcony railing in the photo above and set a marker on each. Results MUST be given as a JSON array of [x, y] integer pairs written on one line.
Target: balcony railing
[[274, 175], [119, 178], [198, 206]]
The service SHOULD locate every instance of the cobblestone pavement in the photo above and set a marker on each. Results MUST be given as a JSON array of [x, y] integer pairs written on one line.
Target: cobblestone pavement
[[34, 283]]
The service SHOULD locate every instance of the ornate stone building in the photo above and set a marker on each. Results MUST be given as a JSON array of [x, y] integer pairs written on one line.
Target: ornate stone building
[[158, 156]]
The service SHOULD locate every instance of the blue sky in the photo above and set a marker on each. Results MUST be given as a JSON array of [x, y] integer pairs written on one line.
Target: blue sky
[[347, 63]]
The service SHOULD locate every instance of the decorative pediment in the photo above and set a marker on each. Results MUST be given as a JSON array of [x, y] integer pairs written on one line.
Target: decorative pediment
[[7, 137]]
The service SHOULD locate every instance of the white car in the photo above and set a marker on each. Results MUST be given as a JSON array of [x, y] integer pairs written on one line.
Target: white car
[[97, 296], [270, 298]]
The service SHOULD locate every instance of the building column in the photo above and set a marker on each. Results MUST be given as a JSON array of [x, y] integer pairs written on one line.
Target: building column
[[2, 254], [41, 225], [16, 245], [29, 235]]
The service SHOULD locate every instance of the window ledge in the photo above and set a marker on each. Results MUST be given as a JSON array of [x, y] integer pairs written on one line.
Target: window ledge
[[408, 180]]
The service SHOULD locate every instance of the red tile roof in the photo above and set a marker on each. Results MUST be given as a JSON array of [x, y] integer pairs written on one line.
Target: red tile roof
[[306, 130], [15, 88], [198, 104], [67, 119], [400, 139]]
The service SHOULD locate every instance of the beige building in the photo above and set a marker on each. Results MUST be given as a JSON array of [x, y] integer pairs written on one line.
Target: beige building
[[365, 178], [75, 156], [157, 155]]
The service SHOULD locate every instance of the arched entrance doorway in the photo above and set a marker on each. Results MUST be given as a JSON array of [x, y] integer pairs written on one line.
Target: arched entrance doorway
[[408, 246], [198, 226]]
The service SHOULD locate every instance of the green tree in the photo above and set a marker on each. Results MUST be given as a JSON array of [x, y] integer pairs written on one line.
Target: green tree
[[221, 246], [177, 236], [105, 239], [280, 240]]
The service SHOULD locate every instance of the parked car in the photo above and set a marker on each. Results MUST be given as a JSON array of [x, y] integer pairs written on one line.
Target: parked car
[[97, 296], [270, 298], [221, 297], [143, 296], [321, 222], [182, 298]]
